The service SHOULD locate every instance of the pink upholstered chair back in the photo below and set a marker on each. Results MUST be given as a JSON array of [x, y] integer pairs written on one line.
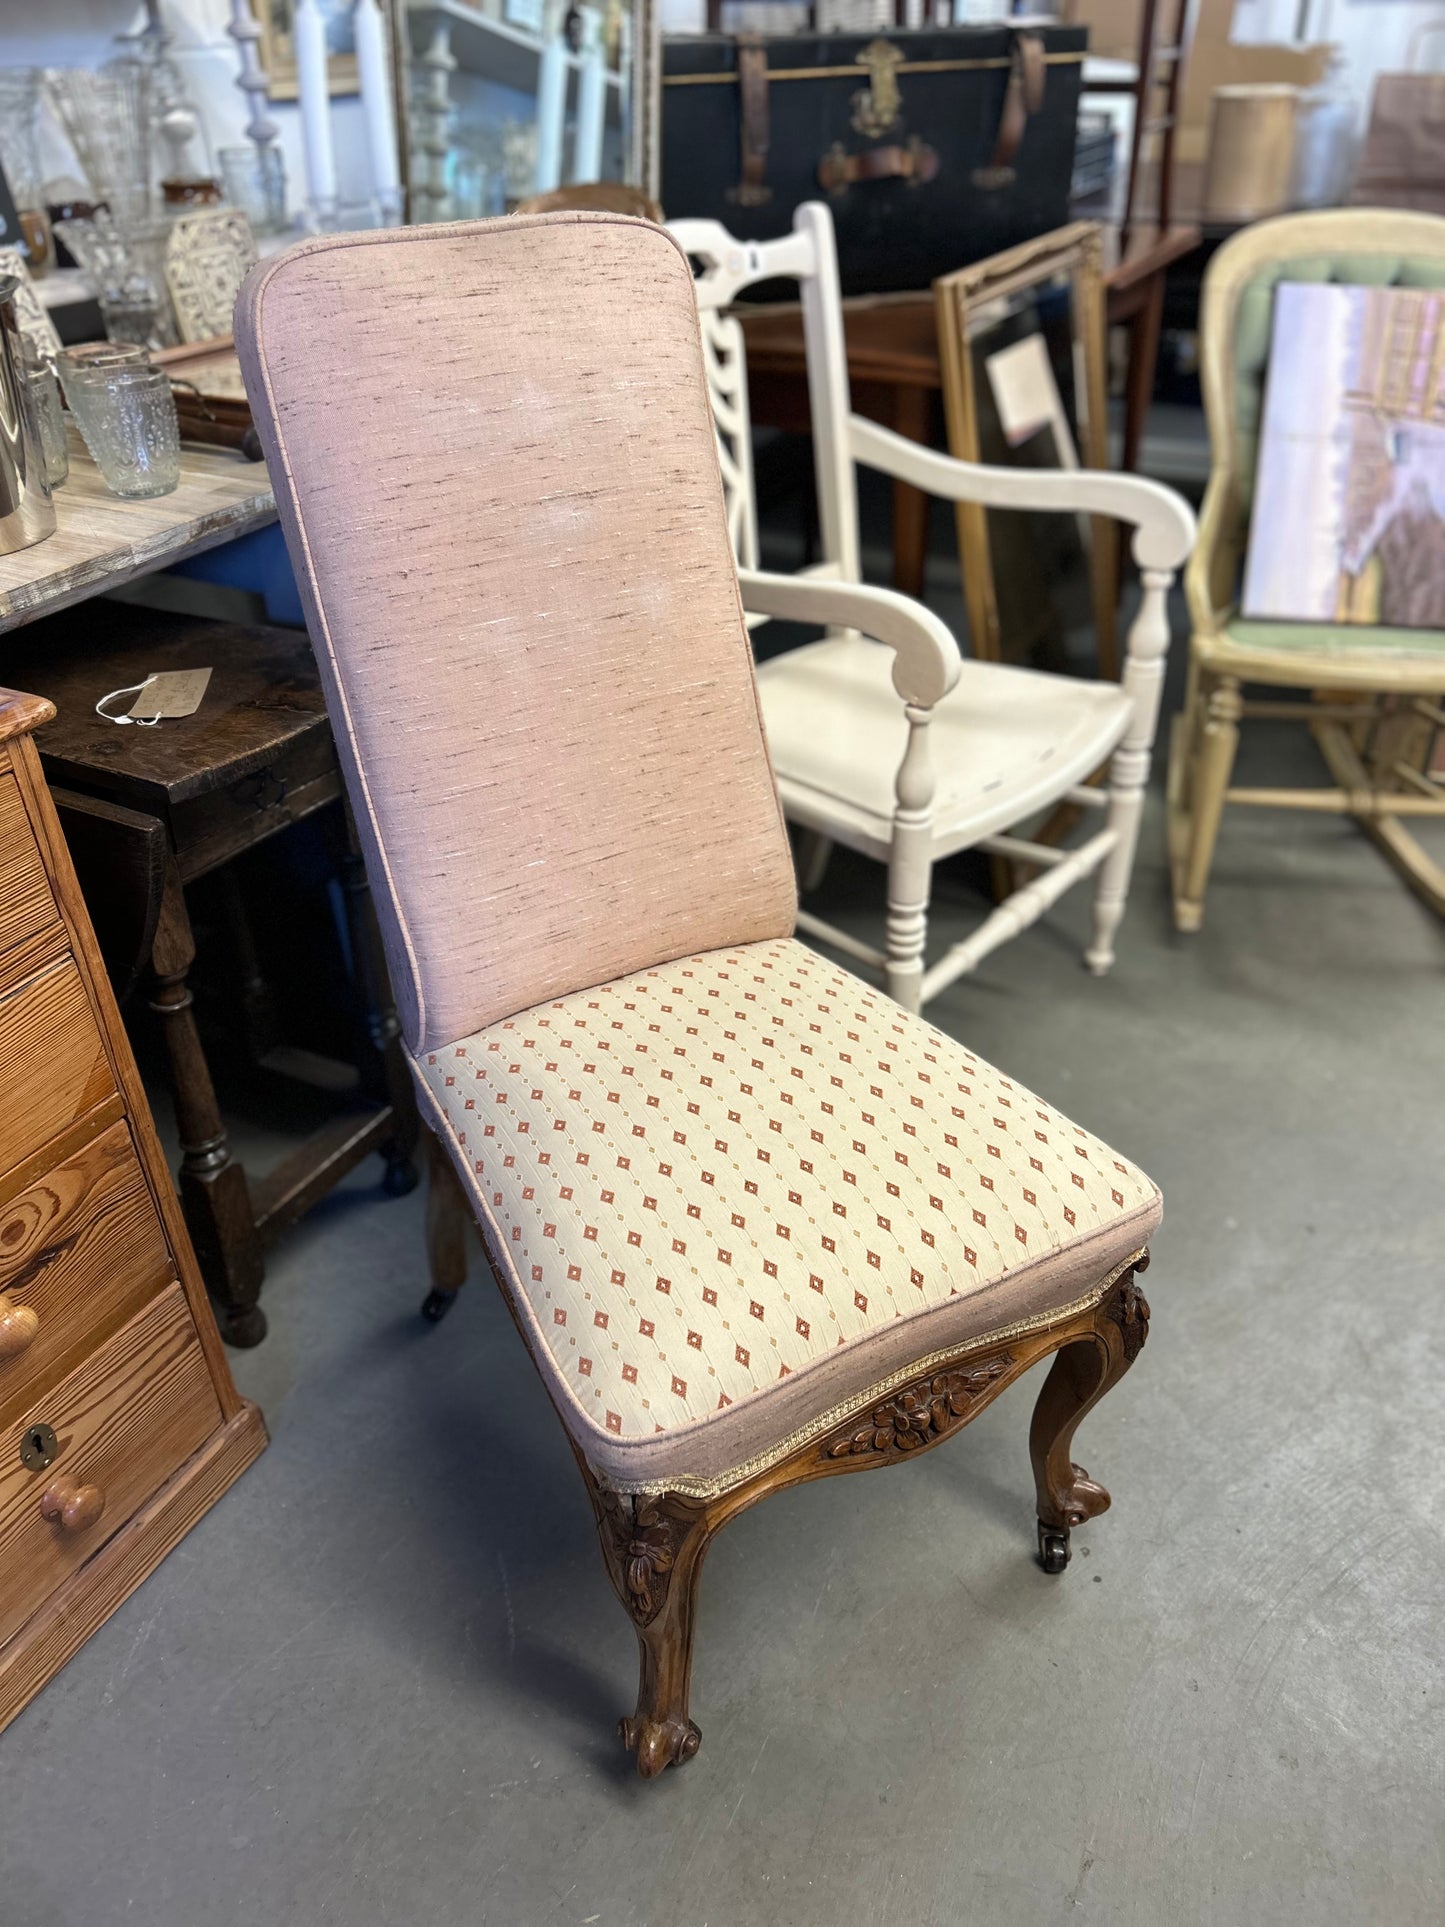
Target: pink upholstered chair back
[[493, 453]]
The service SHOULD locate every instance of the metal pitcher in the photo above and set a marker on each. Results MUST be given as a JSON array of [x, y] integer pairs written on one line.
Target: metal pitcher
[[27, 514]]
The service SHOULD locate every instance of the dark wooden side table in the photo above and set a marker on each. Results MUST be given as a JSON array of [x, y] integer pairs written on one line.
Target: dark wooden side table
[[894, 373], [147, 812]]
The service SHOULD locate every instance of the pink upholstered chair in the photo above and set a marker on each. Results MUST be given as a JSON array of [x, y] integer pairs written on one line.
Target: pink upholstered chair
[[756, 1223]]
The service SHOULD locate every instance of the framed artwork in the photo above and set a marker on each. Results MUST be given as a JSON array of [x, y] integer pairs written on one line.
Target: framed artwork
[[1348, 522], [278, 53], [1021, 340]]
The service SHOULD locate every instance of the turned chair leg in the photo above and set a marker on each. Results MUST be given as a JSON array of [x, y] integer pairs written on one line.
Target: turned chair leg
[[910, 866], [654, 1547], [1080, 1376], [1127, 778], [1129, 770], [1217, 724], [448, 1229]]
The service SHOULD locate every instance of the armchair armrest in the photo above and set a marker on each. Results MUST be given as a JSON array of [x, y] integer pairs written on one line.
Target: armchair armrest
[[926, 662], [1164, 527]]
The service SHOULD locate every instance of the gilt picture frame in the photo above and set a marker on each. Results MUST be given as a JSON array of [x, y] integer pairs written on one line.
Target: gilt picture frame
[[974, 306]]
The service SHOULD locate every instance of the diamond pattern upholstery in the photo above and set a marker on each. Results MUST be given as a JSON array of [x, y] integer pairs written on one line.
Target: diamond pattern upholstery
[[749, 1173]]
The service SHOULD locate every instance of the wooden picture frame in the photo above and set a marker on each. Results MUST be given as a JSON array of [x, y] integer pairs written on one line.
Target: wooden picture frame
[[278, 53], [968, 303]]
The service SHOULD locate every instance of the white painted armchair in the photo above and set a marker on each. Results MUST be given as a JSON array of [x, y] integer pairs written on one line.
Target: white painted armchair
[[979, 749]]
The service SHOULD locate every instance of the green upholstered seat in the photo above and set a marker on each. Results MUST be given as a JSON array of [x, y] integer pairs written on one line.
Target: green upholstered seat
[[1336, 638]]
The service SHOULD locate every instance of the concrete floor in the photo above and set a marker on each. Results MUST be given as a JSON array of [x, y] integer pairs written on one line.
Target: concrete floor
[[379, 1683]]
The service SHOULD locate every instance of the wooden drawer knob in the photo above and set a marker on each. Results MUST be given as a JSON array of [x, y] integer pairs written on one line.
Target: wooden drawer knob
[[72, 1506], [18, 1326]]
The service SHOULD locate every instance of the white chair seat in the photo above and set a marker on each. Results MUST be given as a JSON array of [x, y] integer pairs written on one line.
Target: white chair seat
[[1006, 742]]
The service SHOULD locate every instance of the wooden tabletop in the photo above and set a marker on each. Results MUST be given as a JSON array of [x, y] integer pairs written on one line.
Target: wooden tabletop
[[264, 699], [894, 337], [101, 541]]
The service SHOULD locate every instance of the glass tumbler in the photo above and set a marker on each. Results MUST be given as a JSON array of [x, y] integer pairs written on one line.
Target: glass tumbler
[[255, 181], [127, 414], [45, 399], [100, 354]]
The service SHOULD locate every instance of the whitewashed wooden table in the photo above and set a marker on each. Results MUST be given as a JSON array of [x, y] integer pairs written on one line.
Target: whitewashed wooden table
[[101, 541]]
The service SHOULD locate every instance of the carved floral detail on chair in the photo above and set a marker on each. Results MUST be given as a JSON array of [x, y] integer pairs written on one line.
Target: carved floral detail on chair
[[1129, 1309], [922, 1412], [643, 1548]]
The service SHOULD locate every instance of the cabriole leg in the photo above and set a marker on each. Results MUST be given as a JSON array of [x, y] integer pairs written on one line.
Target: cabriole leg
[[654, 1546], [1080, 1376]]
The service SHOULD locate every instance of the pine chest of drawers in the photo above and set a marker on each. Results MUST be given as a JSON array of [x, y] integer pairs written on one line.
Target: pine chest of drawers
[[119, 1424]]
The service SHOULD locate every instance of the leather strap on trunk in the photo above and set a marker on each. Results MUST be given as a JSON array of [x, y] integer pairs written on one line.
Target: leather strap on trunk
[[839, 170], [752, 189], [1023, 98]]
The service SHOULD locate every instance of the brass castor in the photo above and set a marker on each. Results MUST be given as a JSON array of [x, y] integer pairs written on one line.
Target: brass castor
[[436, 1305], [1053, 1547], [659, 1743]]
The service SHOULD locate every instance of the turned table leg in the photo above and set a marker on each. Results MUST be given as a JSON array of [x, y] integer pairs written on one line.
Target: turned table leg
[[214, 1193]]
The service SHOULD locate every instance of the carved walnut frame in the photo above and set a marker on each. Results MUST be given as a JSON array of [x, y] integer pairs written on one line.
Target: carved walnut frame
[[654, 1543]]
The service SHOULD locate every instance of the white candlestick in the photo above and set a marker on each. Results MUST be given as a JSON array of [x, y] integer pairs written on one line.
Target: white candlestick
[[313, 86], [551, 113], [375, 76], [591, 101]]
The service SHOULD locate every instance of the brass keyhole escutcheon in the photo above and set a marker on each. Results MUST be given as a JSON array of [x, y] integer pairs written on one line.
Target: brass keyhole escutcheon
[[38, 1447]]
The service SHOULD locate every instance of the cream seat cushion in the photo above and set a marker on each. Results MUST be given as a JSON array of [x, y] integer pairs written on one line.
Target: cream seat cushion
[[732, 1193]]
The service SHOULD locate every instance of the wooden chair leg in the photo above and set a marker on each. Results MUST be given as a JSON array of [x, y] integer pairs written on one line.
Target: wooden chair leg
[[448, 1230], [1129, 769], [1400, 848], [1080, 1376], [386, 1074], [654, 1546], [1206, 782], [214, 1193], [910, 866]]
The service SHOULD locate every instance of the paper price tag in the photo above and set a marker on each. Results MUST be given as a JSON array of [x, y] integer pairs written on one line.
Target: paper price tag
[[173, 692]]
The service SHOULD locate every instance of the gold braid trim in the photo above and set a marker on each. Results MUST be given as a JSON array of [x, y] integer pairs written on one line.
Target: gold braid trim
[[712, 1488]]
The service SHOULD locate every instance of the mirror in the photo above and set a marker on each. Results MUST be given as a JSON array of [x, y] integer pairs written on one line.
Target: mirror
[[504, 100]]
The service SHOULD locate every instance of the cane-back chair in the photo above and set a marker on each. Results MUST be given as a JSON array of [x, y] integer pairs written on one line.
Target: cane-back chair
[[910, 771], [1374, 697], [755, 1223]]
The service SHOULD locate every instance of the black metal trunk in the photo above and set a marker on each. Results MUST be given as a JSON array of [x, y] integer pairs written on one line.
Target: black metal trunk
[[933, 148]]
